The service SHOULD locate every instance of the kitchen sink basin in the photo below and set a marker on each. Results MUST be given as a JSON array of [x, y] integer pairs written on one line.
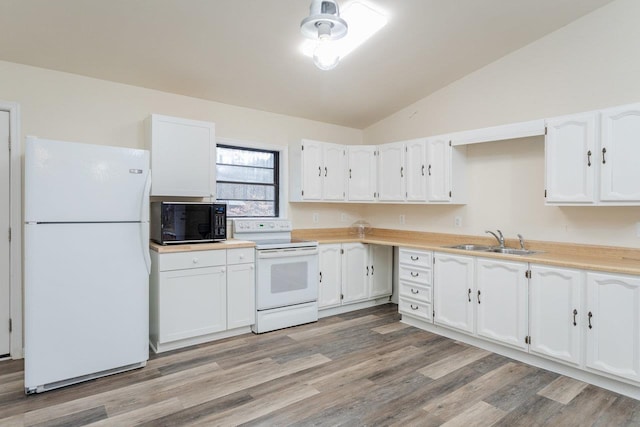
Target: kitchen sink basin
[[470, 247], [513, 251]]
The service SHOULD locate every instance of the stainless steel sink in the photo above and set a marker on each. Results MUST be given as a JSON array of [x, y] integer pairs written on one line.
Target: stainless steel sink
[[471, 247], [513, 251]]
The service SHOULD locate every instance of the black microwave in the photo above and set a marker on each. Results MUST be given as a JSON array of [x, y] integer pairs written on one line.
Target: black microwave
[[188, 222]]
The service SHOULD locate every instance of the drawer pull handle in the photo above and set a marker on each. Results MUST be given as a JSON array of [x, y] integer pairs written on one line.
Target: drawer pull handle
[[414, 258], [575, 313], [590, 316], [414, 274], [414, 307], [415, 291]]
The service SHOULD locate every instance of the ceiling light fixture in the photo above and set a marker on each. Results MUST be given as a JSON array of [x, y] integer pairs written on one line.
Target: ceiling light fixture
[[323, 26], [364, 21]]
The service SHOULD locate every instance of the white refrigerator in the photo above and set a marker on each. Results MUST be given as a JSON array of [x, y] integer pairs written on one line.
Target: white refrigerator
[[86, 262]]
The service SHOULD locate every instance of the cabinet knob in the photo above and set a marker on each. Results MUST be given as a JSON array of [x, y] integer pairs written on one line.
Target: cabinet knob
[[195, 260], [241, 256], [223, 270]]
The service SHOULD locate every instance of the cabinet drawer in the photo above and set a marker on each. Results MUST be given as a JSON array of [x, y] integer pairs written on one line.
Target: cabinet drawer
[[416, 257], [415, 274], [192, 259], [240, 255], [416, 292], [416, 308]]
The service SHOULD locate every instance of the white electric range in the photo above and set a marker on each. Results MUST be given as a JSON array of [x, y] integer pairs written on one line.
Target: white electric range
[[286, 274]]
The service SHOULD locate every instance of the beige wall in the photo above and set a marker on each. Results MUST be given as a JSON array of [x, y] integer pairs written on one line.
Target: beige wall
[[74, 108], [589, 64]]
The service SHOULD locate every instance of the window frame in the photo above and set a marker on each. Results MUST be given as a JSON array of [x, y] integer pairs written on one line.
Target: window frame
[[279, 178]]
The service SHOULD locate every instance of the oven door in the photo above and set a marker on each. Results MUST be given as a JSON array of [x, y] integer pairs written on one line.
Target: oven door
[[286, 277]]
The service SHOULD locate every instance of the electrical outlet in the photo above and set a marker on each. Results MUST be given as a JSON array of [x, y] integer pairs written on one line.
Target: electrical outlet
[[457, 221], [402, 219], [316, 217]]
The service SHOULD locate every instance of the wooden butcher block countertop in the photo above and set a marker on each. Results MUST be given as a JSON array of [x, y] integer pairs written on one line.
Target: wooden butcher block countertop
[[587, 257]]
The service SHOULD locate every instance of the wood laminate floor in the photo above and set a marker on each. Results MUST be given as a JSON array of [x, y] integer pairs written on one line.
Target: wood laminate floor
[[360, 368]]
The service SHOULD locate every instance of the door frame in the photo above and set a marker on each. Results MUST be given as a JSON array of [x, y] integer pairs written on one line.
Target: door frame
[[15, 220]]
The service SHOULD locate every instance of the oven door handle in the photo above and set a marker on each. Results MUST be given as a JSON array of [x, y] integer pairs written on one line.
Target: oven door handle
[[286, 253]]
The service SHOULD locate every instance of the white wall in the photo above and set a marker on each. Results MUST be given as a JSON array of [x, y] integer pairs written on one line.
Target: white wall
[[589, 64], [69, 107]]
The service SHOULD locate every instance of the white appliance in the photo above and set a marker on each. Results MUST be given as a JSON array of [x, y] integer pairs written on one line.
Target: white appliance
[[286, 274], [86, 262]]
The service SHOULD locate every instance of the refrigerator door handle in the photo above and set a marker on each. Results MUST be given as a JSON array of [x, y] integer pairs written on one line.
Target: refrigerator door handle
[[144, 240], [144, 209]]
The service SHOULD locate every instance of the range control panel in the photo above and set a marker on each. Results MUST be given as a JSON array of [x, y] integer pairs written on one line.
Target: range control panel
[[260, 226]]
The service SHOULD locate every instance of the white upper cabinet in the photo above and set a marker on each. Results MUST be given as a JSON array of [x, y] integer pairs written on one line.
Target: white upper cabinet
[[391, 172], [613, 324], [416, 170], [592, 158], [620, 154], [570, 158], [183, 156], [318, 171], [439, 169], [362, 172]]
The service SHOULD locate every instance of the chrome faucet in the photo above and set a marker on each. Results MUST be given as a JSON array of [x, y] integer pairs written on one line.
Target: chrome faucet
[[499, 237], [521, 241]]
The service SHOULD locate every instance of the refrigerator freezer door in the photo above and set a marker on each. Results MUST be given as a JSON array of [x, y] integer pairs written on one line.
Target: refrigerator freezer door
[[72, 182], [86, 300]]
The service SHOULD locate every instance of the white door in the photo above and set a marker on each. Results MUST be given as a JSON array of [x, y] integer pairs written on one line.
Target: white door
[[5, 307], [391, 172], [416, 174], [556, 320], [72, 182], [613, 324], [311, 170], [380, 270], [454, 291], [354, 272], [333, 186], [330, 275], [571, 160], [502, 295], [439, 169], [619, 154], [362, 172]]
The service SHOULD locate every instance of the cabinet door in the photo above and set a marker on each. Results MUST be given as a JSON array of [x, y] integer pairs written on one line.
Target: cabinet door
[[571, 159], [453, 292], [355, 279], [380, 270], [502, 301], [311, 159], [192, 302], [241, 295], [183, 158], [333, 170], [362, 172], [391, 172], [439, 169], [556, 320], [330, 275], [619, 154], [613, 324], [416, 174]]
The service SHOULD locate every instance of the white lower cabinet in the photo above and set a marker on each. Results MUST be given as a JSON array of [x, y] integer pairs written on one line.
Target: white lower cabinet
[[454, 291], [613, 324], [415, 283], [353, 272], [195, 296], [556, 318], [502, 294]]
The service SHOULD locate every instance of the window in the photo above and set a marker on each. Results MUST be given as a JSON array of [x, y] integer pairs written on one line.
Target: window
[[247, 180]]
